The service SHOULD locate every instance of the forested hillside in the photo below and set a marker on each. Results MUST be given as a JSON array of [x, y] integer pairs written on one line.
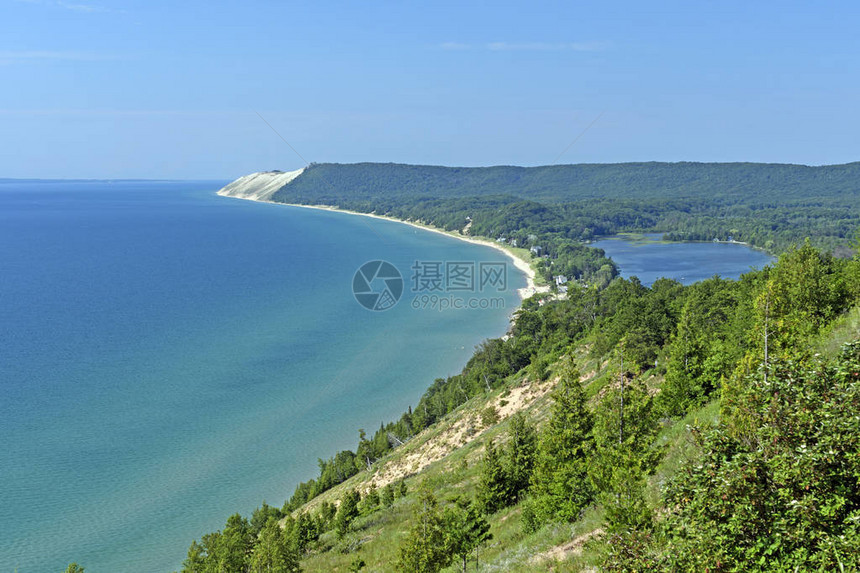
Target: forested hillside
[[619, 428], [689, 428], [769, 205]]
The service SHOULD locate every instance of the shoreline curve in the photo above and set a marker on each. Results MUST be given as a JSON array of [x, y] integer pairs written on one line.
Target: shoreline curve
[[519, 263]]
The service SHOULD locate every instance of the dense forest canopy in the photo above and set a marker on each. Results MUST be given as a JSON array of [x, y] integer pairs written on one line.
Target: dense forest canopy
[[753, 183], [768, 205]]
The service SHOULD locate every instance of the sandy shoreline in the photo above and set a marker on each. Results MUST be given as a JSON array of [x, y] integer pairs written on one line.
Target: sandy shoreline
[[521, 264]]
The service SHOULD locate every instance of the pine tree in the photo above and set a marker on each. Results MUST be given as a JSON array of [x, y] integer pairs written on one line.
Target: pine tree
[[235, 546], [388, 495], [493, 491], [364, 457], [262, 515], [624, 494], [625, 454], [371, 501], [519, 457], [465, 529], [560, 482], [291, 534], [305, 532], [326, 516], [347, 512], [506, 474], [424, 550], [272, 552], [227, 550]]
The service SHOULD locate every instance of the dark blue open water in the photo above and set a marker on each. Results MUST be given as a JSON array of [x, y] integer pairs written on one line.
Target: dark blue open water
[[169, 357]]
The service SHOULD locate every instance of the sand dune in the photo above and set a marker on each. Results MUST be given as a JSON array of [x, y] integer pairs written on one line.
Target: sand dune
[[259, 186]]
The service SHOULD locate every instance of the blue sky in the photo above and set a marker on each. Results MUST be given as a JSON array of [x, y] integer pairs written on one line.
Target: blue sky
[[152, 89]]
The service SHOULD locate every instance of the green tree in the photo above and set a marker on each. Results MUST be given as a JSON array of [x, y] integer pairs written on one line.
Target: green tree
[[424, 550], [519, 456], [305, 532], [852, 269], [326, 516], [74, 568], [211, 544], [625, 427], [370, 503], [493, 490], [465, 529], [560, 485], [388, 495], [234, 548], [783, 497], [803, 292], [701, 351], [347, 512], [195, 562], [262, 515], [222, 551], [506, 474], [272, 553], [624, 493]]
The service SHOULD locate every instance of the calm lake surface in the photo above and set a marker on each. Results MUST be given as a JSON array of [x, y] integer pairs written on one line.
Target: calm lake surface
[[685, 262], [169, 357]]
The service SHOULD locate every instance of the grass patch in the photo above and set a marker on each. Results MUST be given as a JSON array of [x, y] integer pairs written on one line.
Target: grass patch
[[680, 446], [640, 239], [844, 329]]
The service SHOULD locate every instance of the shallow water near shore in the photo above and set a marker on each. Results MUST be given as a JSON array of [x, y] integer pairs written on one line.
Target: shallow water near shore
[[169, 357]]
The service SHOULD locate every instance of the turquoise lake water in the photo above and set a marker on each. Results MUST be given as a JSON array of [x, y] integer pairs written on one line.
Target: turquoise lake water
[[169, 357], [684, 262]]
